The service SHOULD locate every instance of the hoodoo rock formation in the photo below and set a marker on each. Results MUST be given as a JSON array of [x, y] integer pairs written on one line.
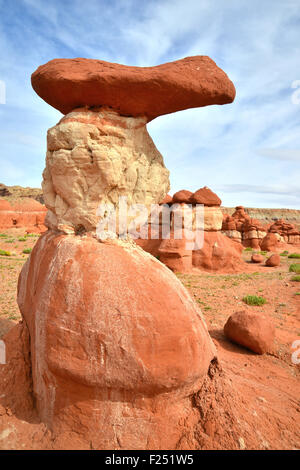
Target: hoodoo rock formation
[[216, 251], [241, 227], [253, 233], [288, 232], [117, 352]]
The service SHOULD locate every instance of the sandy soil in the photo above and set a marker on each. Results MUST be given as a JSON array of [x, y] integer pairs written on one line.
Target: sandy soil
[[268, 387]]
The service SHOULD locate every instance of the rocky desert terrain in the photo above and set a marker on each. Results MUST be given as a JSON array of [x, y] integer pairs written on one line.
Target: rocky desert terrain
[[264, 389]]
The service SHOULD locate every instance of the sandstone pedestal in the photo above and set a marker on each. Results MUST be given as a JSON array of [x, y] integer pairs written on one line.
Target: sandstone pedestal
[[117, 345]]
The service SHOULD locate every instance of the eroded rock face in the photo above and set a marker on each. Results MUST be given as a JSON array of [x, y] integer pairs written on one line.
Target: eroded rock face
[[94, 157], [28, 214], [117, 343], [192, 82]]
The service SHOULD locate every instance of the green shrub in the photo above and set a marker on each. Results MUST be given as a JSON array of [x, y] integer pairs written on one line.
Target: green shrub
[[5, 253], [27, 251], [33, 235], [284, 253], [22, 239], [295, 268], [254, 300], [294, 255], [3, 235], [248, 248], [297, 279], [297, 293]]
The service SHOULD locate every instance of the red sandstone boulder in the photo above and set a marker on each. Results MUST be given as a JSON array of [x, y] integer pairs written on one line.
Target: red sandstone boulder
[[205, 196], [256, 258], [117, 344], [192, 82], [182, 196], [273, 261], [270, 242], [254, 331]]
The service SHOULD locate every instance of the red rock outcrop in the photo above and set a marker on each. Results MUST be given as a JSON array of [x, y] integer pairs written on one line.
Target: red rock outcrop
[[28, 214], [67, 84], [252, 330], [287, 232]]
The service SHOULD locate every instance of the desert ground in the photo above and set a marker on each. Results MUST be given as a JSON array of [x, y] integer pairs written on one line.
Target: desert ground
[[268, 385]]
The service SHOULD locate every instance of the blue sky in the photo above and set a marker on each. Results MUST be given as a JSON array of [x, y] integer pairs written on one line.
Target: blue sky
[[248, 152]]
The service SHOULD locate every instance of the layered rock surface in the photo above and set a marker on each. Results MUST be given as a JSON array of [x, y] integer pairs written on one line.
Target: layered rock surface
[[93, 158]]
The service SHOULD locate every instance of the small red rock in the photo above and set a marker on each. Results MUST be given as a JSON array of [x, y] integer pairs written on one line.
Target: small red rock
[[254, 331], [273, 261], [256, 258]]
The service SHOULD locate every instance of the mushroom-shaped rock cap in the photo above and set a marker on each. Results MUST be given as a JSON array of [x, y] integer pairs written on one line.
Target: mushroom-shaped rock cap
[[182, 196], [192, 82], [205, 196]]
